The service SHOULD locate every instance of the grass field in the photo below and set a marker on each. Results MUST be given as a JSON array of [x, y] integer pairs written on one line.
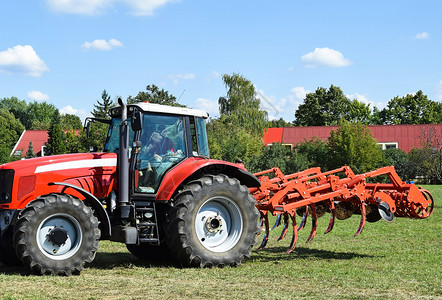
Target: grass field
[[398, 260]]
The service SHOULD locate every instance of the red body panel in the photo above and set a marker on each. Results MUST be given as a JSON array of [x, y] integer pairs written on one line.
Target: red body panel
[[94, 172], [182, 171]]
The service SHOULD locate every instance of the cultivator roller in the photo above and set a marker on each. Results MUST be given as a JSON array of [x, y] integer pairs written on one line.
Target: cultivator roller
[[312, 193]]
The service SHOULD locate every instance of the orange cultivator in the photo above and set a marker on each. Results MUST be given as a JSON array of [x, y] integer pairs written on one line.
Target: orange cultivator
[[340, 192]]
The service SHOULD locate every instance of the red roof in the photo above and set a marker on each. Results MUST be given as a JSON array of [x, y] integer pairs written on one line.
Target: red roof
[[273, 135], [407, 137], [38, 138]]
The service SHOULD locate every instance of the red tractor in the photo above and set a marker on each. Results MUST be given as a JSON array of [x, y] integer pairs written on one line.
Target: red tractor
[[153, 187]]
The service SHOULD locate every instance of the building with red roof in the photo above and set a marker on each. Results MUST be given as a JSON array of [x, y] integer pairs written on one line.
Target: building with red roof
[[38, 139], [404, 137]]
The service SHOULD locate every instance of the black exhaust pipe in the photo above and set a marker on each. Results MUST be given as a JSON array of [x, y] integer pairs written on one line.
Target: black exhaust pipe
[[123, 163]]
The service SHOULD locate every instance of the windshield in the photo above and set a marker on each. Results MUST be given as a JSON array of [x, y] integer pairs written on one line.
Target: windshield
[[113, 136], [163, 146]]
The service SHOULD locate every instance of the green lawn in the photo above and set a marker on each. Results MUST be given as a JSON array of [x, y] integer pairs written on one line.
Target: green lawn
[[394, 260]]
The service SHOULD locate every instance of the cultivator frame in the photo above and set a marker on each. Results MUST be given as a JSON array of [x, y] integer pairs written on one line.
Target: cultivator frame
[[340, 192]]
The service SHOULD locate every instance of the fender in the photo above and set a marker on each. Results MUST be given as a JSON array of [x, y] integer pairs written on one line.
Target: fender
[[195, 167], [96, 205]]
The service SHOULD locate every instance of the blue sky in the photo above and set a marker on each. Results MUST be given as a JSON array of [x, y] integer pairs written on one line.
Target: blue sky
[[66, 52]]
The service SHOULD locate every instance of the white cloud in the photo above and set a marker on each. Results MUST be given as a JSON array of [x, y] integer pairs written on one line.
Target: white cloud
[[83, 7], [81, 113], [214, 75], [298, 93], [364, 99], [296, 98], [207, 105], [359, 97], [22, 60], [422, 35], [177, 77], [145, 7], [282, 107], [93, 7], [325, 57], [38, 96], [102, 45]]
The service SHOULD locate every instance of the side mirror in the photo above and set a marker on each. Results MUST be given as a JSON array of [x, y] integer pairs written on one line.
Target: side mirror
[[87, 125], [137, 121]]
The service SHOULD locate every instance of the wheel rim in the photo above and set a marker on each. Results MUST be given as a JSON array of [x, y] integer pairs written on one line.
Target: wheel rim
[[59, 236], [219, 224]]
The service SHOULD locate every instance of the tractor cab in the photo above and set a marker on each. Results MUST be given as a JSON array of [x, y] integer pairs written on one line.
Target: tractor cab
[[161, 137]]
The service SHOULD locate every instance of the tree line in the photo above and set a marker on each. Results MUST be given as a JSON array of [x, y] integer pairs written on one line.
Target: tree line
[[328, 107], [237, 133], [351, 144]]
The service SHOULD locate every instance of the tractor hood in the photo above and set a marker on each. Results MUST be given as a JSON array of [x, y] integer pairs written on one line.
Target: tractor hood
[[25, 180], [62, 162]]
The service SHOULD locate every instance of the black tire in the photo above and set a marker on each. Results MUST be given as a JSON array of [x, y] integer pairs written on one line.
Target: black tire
[[214, 222], [56, 235]]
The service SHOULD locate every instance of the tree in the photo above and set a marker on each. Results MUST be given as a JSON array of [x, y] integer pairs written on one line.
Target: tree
[[241, 106], [241, 118], [74, 141], [56, 142], [10, 131], [412, 109], [376, 116], [69, 122], [358, 112], [98, 131], [155, 95], [354, 146], [40, 115], [279, 123], [401, 162], [316, 152], [30, 153], [101, 109], [329, 107], [237, 144], [19, 108], [322, 108], [427, 160], [275, 155], [240, 94]]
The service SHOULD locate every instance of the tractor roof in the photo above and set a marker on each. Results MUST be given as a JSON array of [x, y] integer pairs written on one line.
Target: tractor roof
[[158, 108]]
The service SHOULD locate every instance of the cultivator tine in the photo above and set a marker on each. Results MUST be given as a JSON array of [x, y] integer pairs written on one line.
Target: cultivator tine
[[261, 223], [363, 217], [277, 222], [295, 234], [304, 219], [286, 226], [314, 224], [266, 236], [332, 218]]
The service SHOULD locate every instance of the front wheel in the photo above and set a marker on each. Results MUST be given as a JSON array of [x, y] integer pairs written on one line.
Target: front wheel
[[214, 223], [56, 235]]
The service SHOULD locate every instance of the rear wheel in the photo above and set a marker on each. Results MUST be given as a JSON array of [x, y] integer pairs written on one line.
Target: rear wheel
[[214, 223], [56, 235]]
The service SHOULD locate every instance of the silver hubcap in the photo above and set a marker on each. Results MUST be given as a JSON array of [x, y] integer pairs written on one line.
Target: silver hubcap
[[219, 224], [59, 236]]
